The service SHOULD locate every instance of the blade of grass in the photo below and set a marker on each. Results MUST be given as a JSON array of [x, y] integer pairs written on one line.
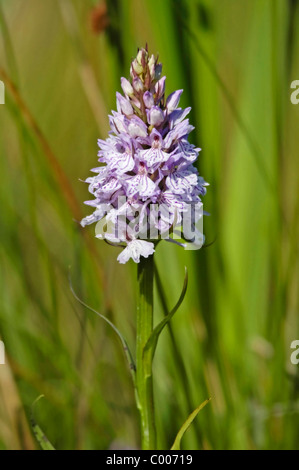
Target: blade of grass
[[177, 442], [151, 344], [39, 434], [180, 366], [9, 50]]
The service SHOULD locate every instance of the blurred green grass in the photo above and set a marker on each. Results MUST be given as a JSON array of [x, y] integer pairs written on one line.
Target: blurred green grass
[[235, 61]]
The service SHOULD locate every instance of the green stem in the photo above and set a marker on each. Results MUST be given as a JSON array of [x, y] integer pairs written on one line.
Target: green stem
[[144, 379]]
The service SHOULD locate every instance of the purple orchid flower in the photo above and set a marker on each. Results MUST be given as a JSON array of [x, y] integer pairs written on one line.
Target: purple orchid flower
[[148, 165]]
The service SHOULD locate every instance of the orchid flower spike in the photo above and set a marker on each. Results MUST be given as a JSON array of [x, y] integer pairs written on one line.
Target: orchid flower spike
[[146, 182]]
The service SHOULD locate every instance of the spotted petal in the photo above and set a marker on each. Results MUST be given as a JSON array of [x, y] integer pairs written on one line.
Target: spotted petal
[[153, 157], [142, 185], [181, 182]]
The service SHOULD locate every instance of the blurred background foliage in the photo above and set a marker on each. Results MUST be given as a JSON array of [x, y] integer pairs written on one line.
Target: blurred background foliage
[[61, 62]]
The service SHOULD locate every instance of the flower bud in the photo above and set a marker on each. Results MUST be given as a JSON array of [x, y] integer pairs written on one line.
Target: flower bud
[[148, 99], [142, 57], [151, 66], [119, 124], [158, 71], [137, 67], [155, 116], [123, 105], [126, 86], [160, 88], [173, 100], [135, 101], [137, 85], [137, 128]]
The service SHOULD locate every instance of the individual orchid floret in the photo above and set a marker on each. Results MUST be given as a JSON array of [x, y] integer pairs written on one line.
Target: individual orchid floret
[[147, 188], [135, 249], [154, 155]]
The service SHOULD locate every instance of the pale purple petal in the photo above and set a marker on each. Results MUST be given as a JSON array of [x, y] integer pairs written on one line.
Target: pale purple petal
[[148, 99], [135, 249], [181, 182], [137, 128], [123, 105], [177, 116], [126, 86], [142, 185], [160, 88], [173, 100], [137, 85], [155, 116], [153, 156]]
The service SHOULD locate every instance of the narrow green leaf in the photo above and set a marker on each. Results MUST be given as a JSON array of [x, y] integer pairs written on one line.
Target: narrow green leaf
[[151, 344], [126, 349], [38, 433], [8, 49], [187, 423]]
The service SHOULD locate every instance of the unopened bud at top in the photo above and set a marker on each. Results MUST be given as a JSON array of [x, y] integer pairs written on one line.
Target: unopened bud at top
[[137, 67], [142, 57], [151, 66]]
